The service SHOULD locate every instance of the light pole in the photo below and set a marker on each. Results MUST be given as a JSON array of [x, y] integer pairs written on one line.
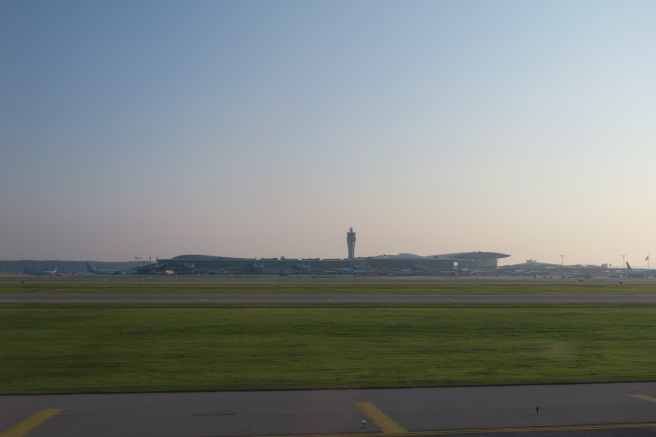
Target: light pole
[[562, 265]]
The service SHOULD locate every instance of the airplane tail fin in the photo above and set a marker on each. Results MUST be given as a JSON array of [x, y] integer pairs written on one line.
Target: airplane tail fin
[[90, 268], [628, 266]]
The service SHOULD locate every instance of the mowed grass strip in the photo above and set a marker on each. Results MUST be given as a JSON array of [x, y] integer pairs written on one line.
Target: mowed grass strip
[[70, 349], [120, 286]]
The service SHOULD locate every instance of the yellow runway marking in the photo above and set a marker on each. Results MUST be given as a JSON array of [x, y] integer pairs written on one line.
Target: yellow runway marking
[[22, 428], [644, 398], [380, 419]]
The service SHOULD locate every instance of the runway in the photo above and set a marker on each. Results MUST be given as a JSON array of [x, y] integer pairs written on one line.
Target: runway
[[53, 297], [581, 410]]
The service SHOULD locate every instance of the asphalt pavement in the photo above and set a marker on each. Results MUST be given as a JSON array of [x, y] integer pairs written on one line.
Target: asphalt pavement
[[586, 409]]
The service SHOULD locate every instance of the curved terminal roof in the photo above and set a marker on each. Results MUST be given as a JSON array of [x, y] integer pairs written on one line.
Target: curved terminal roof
[[531, 264], [447, 256], [209, 258], [460, 255], [399, 256], [471, 255]]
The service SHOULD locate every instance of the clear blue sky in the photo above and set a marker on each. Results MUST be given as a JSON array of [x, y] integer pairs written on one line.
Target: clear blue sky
[[268, 128]]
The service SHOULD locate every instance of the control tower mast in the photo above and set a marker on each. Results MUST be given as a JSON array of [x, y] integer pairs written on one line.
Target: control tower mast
[[350, 242]]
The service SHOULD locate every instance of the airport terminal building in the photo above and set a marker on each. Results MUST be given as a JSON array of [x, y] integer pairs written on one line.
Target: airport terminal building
[[403, 264]]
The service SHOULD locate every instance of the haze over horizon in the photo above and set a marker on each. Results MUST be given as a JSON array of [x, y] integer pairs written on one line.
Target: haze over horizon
[[268, 128]]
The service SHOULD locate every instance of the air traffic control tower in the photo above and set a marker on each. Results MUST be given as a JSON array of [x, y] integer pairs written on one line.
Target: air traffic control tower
[[350, 242]]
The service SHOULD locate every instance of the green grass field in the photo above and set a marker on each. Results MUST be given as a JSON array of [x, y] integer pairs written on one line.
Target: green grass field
[[68, 348], [164, 285]]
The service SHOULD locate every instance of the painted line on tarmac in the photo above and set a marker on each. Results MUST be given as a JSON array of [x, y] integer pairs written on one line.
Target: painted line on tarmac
[[22, 428], [644, 398], [380, 419], [487, 431], [534, 429]]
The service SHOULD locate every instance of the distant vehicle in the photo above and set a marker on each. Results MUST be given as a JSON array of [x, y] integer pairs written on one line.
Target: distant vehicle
[[92, 269], [52, 272], [639, 272]]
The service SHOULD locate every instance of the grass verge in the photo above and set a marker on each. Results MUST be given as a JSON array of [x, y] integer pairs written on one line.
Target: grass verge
[[118, 287], [68, 348]]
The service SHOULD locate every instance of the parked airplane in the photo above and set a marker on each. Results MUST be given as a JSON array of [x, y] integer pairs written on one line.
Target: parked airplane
[[92, 269], [579, 275], [42, 272], [287, 272], [352, 271], [640, 272], [466, 271]]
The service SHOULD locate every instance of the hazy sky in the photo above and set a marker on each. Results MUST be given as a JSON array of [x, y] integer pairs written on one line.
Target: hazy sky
[[268, 128]]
